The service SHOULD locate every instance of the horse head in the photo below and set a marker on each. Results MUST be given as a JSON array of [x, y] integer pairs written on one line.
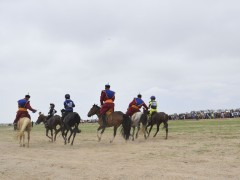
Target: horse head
[[41, 118], [145, 111], [94, 110]]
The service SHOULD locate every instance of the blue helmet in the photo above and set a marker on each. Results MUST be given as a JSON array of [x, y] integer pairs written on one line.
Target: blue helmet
[[152, 97]]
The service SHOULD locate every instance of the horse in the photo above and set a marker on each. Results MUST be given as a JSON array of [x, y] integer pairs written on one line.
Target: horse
[[158, 118], [24, 124], [136, 119], [70, 123], [115, 119], [50, 124]]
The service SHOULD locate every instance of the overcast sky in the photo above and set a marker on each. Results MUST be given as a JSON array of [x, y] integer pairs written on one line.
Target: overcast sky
[[186, 53]]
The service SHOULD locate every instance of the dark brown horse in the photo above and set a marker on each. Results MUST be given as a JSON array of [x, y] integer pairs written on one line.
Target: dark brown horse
[[52, 124], [70, 123], [115, 119], [158, 118]]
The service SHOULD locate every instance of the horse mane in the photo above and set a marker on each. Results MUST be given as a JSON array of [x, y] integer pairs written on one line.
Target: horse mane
[[95, 105]]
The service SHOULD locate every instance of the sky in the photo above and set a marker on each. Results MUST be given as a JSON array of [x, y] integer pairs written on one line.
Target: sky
[[186, 53]]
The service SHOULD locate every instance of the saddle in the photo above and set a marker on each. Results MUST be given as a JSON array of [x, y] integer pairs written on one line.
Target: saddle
[[110, 111]]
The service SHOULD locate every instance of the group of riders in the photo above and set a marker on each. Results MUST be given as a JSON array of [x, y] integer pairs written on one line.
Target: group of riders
[[106, 100]]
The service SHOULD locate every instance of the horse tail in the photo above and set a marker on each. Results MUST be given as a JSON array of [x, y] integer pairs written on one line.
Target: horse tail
[[78, 119], [126, 126], [25, 124], [144, 120], [165, 122]]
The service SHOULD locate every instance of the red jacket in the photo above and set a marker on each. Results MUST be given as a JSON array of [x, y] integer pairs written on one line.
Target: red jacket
[[134, 103], [104, 97]]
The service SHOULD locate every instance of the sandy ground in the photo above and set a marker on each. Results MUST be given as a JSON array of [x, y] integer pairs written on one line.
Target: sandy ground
[[198, 156]]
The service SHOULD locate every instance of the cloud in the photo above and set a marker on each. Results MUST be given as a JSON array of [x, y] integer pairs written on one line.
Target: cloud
[[183, 52]]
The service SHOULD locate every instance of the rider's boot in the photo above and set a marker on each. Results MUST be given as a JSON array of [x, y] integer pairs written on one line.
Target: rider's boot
[[104, 121]]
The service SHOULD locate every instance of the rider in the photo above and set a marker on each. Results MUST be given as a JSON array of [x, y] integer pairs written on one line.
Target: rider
[[152, 106], [68, 106], [136, 105], [23, 105], [52, 111], [107, 102]]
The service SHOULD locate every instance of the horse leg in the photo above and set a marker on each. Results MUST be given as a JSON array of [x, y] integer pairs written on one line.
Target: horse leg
[[133, 133], [138, 128], [56, 132], [150, 130], [114, 133], [144, 130], [157, 129], [76, 130], [47, 133], [66, 137], [52, 135], [99, 137], [68, 129], [28, 137], [62, 128], [71, 131], [23, 138], [166, 127], [74, 134], [20, 140]]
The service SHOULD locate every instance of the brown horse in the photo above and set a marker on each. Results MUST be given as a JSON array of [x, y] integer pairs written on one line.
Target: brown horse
[[51, 124], [115, 119], [24, 124], [158, 118]]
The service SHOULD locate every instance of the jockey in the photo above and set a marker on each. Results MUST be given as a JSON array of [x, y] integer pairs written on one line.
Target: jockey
[[107, 102], [68, 106], [23, 105], [152, 105], [52, 111], [136, 105]]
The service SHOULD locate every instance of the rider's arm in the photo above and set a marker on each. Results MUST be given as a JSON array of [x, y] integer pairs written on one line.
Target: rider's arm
[[102, 97], [29, 107]]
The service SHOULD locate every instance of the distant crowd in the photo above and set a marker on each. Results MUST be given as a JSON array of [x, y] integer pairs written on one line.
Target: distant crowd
[[207, 114]]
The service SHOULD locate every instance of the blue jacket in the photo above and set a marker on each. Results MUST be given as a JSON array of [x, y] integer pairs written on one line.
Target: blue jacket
[[69, 105]]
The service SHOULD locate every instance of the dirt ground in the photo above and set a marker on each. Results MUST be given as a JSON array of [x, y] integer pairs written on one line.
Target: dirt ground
[[182, 156]]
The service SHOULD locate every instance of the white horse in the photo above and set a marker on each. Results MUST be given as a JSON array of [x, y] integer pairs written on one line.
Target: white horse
[[24, 124], [138, 118]]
